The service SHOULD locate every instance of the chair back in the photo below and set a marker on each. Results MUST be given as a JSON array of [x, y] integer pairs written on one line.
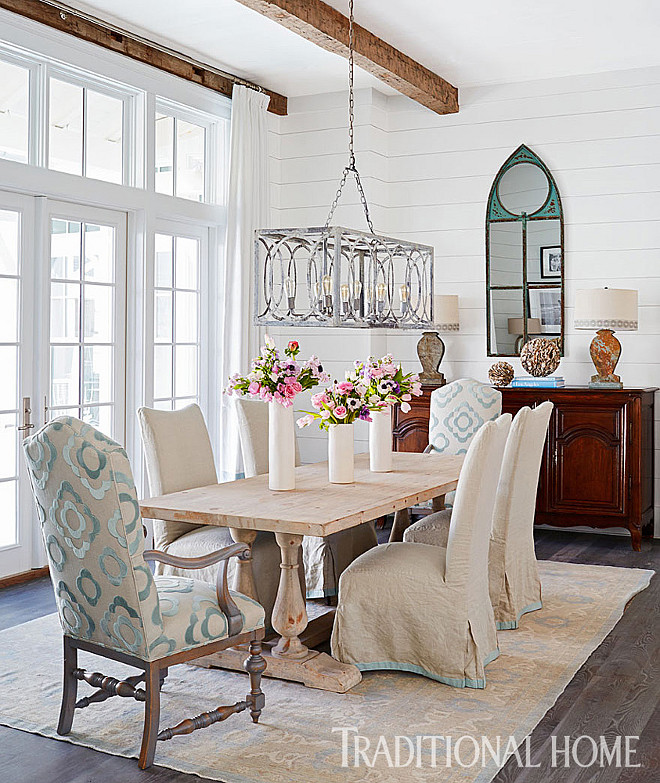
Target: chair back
[[472, 516], [457, 412], [515, 502], [253, 433], [178, 454], [92, 530]]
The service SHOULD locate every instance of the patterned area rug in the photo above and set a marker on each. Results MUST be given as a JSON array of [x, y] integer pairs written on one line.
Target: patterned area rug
[[295, 743]]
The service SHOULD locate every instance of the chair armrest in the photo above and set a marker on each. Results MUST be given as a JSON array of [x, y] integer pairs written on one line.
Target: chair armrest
[[428, 449], [222, 556]]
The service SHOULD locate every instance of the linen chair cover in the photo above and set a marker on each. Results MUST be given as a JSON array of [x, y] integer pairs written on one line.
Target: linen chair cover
[[426, 609], [324, 558], [178, 456], [515, 587], [457, 411], [92, 531]]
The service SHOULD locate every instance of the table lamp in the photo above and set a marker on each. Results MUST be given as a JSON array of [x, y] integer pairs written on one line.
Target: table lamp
[[515, 326], [606, 309], [430, 347]]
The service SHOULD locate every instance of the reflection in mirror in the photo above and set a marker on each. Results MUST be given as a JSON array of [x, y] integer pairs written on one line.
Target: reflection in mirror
[[544, 257], [523, 188], [545, 304], [505, 253], [506, 305]]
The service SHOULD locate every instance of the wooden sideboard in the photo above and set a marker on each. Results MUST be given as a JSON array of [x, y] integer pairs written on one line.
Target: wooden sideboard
[[597, 466]]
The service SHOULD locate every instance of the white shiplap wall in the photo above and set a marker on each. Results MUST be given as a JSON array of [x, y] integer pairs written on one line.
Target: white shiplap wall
[[428, 177]]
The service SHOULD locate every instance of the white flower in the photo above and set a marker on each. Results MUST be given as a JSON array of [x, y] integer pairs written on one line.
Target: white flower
[[269, 341], [405, 407]]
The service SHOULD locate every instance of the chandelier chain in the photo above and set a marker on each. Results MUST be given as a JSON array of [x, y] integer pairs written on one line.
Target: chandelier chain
[[351, 168]]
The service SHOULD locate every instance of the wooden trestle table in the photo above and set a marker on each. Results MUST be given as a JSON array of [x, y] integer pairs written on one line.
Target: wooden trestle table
[[314, 508]]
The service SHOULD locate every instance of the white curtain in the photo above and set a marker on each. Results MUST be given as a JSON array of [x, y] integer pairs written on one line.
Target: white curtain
[[247, 210]]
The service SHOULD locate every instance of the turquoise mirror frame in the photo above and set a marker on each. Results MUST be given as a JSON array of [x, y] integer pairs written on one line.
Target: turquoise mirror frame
[[497, 213]]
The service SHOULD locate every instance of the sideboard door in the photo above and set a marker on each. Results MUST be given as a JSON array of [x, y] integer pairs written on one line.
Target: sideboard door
[[588, 447]]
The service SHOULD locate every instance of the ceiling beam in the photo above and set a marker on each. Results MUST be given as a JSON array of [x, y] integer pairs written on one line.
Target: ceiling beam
[[80, 25], [328, 28]]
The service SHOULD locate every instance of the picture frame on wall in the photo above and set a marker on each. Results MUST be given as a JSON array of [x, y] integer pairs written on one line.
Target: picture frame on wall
[[551, 262], [545, 304]]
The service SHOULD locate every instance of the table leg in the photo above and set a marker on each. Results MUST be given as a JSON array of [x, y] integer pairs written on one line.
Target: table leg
[[244, 578], [289, 612], [401, 522]]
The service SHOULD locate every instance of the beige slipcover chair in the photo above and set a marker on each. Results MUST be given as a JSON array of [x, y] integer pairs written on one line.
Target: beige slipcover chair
[[324, 559], [515, 587], [426, 609], [179, 456]]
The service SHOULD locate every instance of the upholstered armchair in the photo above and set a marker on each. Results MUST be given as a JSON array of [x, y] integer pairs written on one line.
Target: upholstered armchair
[[457, 412], [324, 559], [108, 601], [426, 609], [178, 456], [515, 587]]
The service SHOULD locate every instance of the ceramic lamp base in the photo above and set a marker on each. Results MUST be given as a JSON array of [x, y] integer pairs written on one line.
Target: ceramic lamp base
[[605, 351]]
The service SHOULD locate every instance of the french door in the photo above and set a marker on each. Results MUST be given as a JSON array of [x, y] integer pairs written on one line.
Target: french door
[[62, 341]]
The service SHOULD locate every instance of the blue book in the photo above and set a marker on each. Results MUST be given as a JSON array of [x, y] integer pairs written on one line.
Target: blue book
[[549, 382]]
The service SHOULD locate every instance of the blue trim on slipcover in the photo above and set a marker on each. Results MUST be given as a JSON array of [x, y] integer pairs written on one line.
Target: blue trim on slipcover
[[510, 625], [466, 682]]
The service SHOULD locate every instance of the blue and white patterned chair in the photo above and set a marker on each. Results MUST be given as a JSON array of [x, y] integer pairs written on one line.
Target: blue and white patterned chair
[[458, 411], [108, 601]]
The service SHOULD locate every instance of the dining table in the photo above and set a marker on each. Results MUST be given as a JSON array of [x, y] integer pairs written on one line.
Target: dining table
[[314, 508]]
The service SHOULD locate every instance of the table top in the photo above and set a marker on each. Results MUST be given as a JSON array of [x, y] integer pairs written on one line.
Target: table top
[[315, 507]]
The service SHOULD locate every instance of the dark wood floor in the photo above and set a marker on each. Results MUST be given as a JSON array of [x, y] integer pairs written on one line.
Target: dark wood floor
[[617, 691]]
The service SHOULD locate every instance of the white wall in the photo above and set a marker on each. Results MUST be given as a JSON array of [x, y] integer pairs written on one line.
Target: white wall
[[428, 179]]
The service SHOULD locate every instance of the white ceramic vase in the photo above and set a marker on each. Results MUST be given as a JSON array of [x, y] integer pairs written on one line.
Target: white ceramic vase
[[340, 454], [380, 441], [281, 448]]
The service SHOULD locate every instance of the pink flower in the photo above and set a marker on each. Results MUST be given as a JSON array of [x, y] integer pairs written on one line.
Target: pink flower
[[297, 387], [254, 388], [289, 392], [406, 397], [344, 387], [405, 407], [377, 372], [340, 412], [320, 399], [325, 413], [390, 369], [305, 421], [293, 345], [274, 377]]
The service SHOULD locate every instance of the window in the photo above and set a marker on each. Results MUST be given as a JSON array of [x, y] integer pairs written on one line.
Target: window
[[181, 159], [176, 321], [85, 131], [14, 111]]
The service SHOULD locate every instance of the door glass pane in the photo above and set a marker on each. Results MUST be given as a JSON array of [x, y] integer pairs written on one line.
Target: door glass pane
[[98, 313], [65, 249], [9, 382], [186, 317], [9, 309], [97, 374], [165, 154], [163, 330], [104, 131], [186, 262], [14, 112], [100, 417], [99, 253], [190, 142], [162, 371], [65, 312], [9, 225], [8, 531], [64, 375], [185, 370], [163, 277], [65, 126], [8, 422]]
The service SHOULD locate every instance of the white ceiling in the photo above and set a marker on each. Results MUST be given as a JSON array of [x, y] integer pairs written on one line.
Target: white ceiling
[[468, 43]]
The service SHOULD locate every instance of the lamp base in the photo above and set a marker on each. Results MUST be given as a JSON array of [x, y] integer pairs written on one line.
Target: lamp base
[[605, 351], [430, 350]]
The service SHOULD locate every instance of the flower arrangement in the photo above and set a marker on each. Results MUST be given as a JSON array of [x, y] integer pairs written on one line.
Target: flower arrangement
[[341, 403], [277, 378], [386, 384]]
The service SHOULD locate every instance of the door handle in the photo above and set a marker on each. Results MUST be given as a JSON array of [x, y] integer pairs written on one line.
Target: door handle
[[27, 413]]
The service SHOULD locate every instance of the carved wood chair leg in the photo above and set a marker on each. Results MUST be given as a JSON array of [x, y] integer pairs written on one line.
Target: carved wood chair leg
[[255, 666], [151, 716], [69, 688]]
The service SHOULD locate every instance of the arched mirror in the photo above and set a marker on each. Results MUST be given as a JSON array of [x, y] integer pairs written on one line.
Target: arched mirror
[[524, 256]]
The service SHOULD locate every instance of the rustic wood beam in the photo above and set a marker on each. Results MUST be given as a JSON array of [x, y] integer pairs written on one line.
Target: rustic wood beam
[[328, 28], [95, 31]]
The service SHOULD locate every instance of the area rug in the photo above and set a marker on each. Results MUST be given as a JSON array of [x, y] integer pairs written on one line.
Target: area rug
[[295, 741]]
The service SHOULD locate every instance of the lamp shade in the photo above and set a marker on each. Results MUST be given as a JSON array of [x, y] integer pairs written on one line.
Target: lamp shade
[[516, 326], [445, 312], [606, 308]]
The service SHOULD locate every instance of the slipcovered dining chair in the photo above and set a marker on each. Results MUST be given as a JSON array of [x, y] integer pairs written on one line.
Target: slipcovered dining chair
[[515, 587], [108, 601], [324, 558], [426, 609], [178, 456]]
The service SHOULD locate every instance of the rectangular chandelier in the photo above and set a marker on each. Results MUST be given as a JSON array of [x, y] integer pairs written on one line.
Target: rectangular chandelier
[[341, 277]]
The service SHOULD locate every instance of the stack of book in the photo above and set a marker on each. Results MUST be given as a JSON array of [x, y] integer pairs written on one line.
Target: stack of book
[[549, 382]]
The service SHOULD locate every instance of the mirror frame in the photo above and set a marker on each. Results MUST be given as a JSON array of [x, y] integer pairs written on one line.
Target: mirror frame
[[496, 212]]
